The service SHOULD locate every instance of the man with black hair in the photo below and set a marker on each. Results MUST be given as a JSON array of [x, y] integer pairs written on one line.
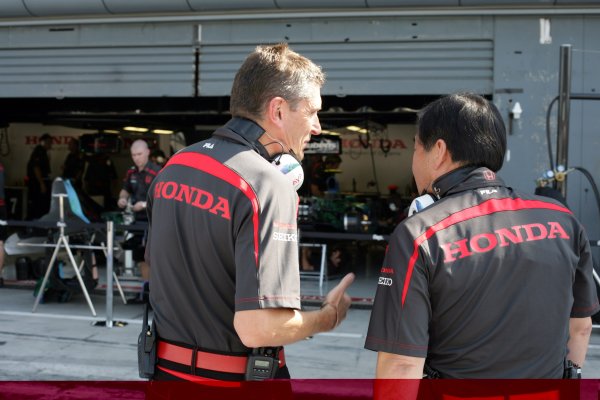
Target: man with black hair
[[74, 164], [486, 282], [39, 184]]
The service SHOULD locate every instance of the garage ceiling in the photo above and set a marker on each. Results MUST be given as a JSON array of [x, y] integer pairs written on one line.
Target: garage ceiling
[[187, 113]]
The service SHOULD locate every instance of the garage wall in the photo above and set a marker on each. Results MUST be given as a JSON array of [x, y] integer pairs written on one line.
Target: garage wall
[[360, 55], [44, 8], [126, 60], [527, 71]]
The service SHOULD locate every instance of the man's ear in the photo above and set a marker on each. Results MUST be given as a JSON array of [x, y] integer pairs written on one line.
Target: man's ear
[[441, 155], [274, 110]]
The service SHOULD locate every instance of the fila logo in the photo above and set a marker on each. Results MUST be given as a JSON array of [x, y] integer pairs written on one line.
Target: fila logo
[[209, 145], [487, 191], [385, 281], [517, 234]]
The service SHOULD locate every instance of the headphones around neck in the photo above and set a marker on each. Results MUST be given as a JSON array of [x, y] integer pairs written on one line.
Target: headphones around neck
[[289, 166], [420, 203], [286, 163]]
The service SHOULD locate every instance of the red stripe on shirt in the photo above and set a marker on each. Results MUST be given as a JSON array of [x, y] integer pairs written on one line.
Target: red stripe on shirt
[[486, 208], [213, 167], [128, 174], [151, 171]]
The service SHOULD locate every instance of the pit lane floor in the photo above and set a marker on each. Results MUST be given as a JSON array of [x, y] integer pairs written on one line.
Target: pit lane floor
[[60, 342]]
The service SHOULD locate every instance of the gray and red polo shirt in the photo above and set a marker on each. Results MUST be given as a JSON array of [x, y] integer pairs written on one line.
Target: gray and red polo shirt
[[483, 282], [223, 238]]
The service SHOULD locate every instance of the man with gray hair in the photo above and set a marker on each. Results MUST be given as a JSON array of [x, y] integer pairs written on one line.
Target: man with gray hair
[[223, 243]]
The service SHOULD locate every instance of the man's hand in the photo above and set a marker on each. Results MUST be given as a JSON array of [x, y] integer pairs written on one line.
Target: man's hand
[[122, 202], [139, 206], [339, 300], [281, 326]]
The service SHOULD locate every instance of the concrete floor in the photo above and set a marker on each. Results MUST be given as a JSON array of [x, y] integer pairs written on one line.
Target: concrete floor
[[60, 341]]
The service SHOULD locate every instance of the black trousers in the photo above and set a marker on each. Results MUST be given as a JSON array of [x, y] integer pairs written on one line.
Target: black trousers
[[38, 203]]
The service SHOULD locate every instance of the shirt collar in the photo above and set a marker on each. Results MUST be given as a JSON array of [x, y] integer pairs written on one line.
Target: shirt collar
[[464, 178], [250, 131]]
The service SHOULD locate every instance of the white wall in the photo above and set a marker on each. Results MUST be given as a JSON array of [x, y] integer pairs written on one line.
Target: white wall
[[22, 138], [393, 168]]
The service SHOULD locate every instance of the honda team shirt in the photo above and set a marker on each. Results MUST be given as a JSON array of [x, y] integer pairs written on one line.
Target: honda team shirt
[[483, 282], [223, 238]]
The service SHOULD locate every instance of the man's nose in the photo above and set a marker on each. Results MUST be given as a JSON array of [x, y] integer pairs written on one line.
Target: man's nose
[[316, 127]]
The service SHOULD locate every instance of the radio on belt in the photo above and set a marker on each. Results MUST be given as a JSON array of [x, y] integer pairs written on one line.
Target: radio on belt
[[262, 364]]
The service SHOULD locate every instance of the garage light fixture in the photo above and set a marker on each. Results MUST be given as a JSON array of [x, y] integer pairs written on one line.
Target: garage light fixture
[[110, 131], [162, 131], [357, 129], [135, 129]]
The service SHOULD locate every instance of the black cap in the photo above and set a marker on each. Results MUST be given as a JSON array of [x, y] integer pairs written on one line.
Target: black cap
[[45, 136]]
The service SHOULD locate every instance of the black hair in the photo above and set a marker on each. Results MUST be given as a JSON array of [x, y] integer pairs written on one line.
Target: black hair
[[471, 126]]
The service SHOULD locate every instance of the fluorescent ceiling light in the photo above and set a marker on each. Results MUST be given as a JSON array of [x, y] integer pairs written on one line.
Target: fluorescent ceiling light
[[135, 129], [358, 129], [110, 131], [162, 131]]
